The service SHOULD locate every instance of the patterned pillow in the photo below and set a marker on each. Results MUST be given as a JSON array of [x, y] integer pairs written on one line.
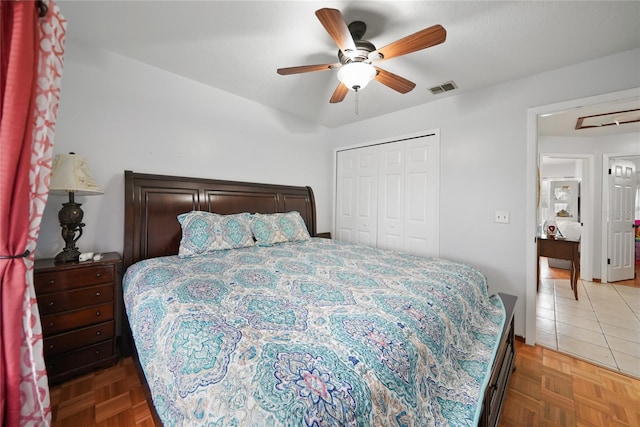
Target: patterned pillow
[[204, 232], [278, 228]]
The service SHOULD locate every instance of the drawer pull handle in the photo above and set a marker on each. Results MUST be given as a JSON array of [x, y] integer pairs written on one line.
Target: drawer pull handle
[[98, 274], [50, 324], [98, 313], [98, 333], [50, 304], [97, 351], [52, 281], [98, 294], [51, 346]]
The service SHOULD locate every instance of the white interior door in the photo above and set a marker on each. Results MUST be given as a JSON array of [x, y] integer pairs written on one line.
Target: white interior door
[[356, 196], [621, 234]]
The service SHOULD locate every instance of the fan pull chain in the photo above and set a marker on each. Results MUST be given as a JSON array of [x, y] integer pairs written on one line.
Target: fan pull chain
[[357, 102]]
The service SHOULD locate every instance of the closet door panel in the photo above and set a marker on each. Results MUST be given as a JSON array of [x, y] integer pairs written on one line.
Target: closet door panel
[[356, 203], [345, 201], [421, 197], [346, 210], [391, 196], [366, 219], [416, 241]]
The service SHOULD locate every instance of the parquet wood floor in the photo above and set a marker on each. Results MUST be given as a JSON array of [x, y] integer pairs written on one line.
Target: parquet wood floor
[[546, 389], [104, 398], [552, 389]]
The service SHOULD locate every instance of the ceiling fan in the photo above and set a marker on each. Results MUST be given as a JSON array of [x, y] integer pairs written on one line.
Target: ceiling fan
[[357, 56]]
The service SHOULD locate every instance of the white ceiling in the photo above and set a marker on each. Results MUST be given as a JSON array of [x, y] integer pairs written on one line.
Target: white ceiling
[[236, 46]]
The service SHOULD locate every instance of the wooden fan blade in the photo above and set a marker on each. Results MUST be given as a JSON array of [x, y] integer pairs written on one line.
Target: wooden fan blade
[[417, 41], [394, 81], [333, 22], [307, 68], [339, 94]]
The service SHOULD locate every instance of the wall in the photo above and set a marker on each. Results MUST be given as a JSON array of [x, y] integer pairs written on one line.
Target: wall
[[121, 114], [598, 146], [566, 169], [484, 161]]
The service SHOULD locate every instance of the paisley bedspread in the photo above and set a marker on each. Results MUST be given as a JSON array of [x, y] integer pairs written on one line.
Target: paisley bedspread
[[315, 333]]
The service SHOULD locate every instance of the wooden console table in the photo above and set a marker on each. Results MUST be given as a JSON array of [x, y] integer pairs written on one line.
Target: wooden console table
[[561, 249]]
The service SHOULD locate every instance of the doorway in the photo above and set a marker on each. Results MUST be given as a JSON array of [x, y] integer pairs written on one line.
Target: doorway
[[614, 356], [533, 117], [569, 168]]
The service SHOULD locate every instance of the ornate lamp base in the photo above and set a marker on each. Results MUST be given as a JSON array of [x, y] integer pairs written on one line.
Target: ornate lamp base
[[68, 255], [70, 217]]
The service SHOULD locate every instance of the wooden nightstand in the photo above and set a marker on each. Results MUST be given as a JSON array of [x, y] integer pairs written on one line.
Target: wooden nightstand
[[77, 304]]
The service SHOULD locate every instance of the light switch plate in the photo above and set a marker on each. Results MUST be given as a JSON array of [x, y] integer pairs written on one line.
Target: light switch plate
[[502, 217]]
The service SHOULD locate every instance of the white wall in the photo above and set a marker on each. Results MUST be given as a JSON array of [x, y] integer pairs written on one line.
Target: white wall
[[567, 169], [121, 114], [598, 146], [484, 160]]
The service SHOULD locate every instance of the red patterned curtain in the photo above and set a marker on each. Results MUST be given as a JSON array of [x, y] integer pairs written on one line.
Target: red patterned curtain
[[30, 71]]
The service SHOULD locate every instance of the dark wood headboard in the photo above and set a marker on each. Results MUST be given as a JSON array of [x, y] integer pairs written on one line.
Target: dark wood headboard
[[153, 202]]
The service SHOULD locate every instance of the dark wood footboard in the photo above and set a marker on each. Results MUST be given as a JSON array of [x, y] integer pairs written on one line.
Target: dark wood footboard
[[502, 368]]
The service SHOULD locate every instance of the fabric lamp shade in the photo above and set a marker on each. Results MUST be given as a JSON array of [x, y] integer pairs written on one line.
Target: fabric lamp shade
[[70, 174]]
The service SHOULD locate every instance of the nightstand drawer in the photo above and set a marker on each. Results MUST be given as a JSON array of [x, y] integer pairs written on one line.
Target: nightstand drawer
[[76, 319], [70, 300], [78, 338], [84, 356], [56, 281]]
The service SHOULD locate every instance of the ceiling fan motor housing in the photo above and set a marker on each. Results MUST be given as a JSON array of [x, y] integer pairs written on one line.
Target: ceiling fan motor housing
[[364, 48]]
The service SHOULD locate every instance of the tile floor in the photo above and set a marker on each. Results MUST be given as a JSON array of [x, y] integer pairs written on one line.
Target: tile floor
[[603, 326]]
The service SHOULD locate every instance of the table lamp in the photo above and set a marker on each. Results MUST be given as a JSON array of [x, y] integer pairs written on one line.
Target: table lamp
[[70, 175]]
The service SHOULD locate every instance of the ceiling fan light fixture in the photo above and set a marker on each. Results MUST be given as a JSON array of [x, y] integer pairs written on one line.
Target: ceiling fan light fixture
[[356, 75]]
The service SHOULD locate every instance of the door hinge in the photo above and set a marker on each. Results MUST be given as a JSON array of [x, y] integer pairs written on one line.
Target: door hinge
[[609, 171], [608, 261]]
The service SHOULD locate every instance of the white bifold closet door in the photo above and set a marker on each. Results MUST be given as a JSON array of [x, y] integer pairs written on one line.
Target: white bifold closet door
[[356, 196], [387, 195]]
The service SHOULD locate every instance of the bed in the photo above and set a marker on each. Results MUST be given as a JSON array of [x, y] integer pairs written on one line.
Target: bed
[[307, 331]]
